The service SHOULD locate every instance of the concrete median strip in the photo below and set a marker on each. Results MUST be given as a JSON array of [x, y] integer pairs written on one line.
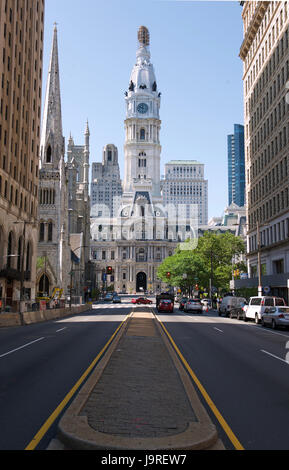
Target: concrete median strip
[[139, 397]]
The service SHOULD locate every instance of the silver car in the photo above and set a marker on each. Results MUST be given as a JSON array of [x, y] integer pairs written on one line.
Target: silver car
[[276, 316], [193, 305]]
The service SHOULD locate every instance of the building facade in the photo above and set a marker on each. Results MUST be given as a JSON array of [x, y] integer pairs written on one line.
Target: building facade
[[21, 49], [265, 52], [134, 243], [53, 242], [184, 184], [236, 166], [106, 188]]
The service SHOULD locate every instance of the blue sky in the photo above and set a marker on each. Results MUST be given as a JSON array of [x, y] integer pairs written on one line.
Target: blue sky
[[194, 49]]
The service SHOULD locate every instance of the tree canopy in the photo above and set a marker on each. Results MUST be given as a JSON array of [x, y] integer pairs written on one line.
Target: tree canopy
[[212, 259]]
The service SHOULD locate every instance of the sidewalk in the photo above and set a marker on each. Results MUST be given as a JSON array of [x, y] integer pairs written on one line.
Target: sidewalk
[[138, 398]]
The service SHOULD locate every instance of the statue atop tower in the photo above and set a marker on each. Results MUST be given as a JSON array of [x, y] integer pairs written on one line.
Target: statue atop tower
[[144, 36]]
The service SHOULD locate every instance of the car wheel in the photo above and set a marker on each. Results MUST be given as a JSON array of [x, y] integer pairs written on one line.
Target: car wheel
[[238, 316], [262, 322], [274, 325], [257, 321], [245, 318]]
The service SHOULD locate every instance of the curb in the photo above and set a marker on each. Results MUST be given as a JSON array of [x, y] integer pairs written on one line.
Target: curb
[[74, 432]]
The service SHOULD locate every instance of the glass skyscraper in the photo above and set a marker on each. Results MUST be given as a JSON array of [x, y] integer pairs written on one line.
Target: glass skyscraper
[[236, 166]]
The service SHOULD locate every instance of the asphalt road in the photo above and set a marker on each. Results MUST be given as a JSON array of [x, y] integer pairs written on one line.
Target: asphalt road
[[41, 363], [242, 368]]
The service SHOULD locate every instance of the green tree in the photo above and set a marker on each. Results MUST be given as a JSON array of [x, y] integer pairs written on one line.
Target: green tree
[[210, 263]]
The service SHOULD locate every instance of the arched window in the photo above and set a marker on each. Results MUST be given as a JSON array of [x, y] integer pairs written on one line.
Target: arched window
[[41, 232], [43, 287], [28, 256], [19, 253], [10, 250], [142, 134], [50, 231], [48, 154], [142, 211]]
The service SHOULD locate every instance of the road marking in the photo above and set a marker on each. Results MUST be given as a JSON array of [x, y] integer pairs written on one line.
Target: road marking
[[273, 355], [221, 331], [223, 423], [61, 329], [21, 347], [48, 423]]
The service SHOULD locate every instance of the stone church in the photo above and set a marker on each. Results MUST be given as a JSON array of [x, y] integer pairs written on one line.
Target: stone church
[[64, 235]]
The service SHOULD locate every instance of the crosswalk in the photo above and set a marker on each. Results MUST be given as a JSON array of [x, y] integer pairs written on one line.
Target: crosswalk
[[113, 306]]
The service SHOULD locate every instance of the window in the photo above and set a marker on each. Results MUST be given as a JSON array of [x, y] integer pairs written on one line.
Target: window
[[50, 231], [48, 155], [142, 134], [41, 232]]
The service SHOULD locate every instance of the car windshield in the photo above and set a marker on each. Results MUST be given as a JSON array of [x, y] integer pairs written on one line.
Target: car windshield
[[279, 302], [283, 309], [194, 301], [166, 301]]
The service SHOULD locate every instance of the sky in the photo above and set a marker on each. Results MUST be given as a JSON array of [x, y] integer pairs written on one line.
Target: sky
[[194, 48]]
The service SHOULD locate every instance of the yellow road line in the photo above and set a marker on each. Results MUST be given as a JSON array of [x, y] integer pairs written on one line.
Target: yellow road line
[[222, 421], [48, 423]]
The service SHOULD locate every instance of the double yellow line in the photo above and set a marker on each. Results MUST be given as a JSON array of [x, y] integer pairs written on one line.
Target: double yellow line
[[222, 421], [48, 423]]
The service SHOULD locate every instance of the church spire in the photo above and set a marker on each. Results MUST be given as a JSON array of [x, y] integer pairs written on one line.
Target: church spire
[[52, 141]]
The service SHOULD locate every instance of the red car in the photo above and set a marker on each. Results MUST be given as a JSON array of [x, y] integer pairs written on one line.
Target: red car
[[141, 300], [166, 306]]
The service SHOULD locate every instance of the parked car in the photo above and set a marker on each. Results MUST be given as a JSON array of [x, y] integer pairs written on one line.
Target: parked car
[[257, 306], [194, 305], [116, 299], [276, 316], [230, 302], [239, 312], [166, 305], [182, 303], [108, 298], [141, 300]]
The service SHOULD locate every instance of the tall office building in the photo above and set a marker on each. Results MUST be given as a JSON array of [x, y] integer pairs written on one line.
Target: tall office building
[[184, 184], [265, 53], [21, 51], [236, 166]]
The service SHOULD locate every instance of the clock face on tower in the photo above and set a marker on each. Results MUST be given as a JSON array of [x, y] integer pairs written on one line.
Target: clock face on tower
[[142, 108]]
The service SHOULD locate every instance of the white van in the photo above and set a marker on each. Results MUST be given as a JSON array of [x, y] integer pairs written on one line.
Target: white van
[[257, 306], [230, 302]]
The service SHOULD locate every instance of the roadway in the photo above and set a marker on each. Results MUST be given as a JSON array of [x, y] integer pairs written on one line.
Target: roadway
[[241, 367]]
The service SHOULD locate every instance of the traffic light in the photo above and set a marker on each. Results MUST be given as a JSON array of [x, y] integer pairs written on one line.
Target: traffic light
[[108, 270]]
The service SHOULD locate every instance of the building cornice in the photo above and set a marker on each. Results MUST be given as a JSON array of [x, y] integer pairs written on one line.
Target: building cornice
[[253, 28]]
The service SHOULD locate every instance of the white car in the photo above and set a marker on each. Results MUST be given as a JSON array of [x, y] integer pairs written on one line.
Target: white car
[[193, 305], [257, 306]]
